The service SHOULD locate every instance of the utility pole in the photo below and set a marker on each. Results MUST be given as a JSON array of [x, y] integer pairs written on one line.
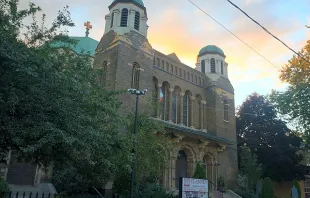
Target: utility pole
[[137, 93]]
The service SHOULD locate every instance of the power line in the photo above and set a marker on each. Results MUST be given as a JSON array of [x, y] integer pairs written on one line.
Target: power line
[[233, 34], [298, 54]]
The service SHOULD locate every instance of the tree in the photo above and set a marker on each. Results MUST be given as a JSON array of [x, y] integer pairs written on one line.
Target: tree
[[294, 102], [200, 172], [53, 110], [270, 139], [267, 189], [151, 154], [249, 167]]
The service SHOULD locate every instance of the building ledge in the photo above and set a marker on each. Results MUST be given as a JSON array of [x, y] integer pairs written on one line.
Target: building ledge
[[191, 131]]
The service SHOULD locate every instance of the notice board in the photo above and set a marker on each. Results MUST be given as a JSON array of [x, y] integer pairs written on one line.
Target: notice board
[[193, 188]]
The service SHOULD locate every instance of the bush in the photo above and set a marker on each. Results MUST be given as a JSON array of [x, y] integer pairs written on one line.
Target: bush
[[200, 172], [152, 190], [245, 192], [267, 189], [4, 188]]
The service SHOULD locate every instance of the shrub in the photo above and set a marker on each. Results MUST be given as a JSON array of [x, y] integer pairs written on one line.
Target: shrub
[[4, 188], [267, 189], [152, 190], [200, 172], [244, 192]]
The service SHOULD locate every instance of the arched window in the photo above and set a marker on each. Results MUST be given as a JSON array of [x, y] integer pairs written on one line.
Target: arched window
[[192, 77], [163, 102], [186, 102], [180, 72], [222, 68], [167, 67], [176, 70], [174, 106], [172, 69], [196, 79], [137, 20], [154, 62], [199, 79], [213, 69], [163, 64], [188, 76], [158, 62], [112, 20], [124, 17], [225, 110], [180, 167], [203, 66], [135, 76], [184, 75], [103, 73]]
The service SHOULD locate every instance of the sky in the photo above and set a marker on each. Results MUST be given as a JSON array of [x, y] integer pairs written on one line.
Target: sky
[[177, 26]]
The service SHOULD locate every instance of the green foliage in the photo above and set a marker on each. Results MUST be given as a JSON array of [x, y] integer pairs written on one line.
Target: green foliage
[[150, 159], [249, 167], [152, 190], [268, 137], [200, 172], [53, 110], [4, 188], [267, 189], [293, 103], [245, 192], [297, 186]]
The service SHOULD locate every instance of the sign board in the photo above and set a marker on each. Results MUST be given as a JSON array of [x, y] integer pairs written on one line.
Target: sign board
[[193, 188]]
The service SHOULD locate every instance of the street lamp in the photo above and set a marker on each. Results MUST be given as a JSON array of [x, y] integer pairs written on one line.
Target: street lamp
[[137, 93]]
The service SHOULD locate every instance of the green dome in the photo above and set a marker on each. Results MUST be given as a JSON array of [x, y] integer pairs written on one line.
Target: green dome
[[84, 45], [140, 2], [211, 49]]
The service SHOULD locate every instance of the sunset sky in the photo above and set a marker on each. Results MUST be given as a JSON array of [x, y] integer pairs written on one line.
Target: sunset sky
[[177, 26]]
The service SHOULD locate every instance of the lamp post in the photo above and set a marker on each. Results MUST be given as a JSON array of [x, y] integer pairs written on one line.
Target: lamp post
[[137, 93]]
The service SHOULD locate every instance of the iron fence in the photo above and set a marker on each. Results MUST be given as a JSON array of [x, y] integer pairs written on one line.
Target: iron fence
[[45, 195]]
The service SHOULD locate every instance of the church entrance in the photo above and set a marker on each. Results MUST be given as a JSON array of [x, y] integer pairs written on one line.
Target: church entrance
[[180, 167], [208, 162], [20, 173]]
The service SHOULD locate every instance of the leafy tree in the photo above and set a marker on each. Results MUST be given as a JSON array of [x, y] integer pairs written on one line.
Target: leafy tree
[[269, 138], [267, 189], [53, 110], [249, 167], [4, 189], [151, 154], [200, 172], [294, 102]]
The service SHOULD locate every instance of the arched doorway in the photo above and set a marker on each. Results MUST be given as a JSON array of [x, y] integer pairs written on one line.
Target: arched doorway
[[208, 161], [180, 167]]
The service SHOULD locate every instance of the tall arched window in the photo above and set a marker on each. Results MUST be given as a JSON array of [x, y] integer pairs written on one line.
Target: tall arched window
[[163, 101], [167, 67], [184, 75], [124, 17], [176, 70], [163, 64], [112, 20], [154, 61], [203, 66], [225, 110], [174, 106], [199, 79], [180, 167], [213, 69], [186, 102], [188, 76], [137, 20], [158, 62], [180, 72], [103, 73], [172, 69], [222, 68], [135, 76]]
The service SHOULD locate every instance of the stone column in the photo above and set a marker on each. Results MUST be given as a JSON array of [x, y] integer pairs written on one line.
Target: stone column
[[170, 105], [107, 23], [203, 106], [158, 107], [181, 107], [192, 112], [131, 19]]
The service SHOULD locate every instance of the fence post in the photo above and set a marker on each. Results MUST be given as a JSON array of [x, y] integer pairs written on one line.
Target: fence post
[[10, 194], [43, 195], [37, 195], [16, 196], [49, 195], [30, 195], [24, 194]]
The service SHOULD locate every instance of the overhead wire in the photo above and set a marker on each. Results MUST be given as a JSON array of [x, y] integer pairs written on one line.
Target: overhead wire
[[268, 32], [234, 34]]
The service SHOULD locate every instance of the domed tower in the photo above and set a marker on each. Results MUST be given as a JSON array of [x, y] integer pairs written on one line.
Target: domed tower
[[126, 16], [211, 61]]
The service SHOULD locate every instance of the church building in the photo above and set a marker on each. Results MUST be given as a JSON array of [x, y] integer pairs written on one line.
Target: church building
[[196, 105]]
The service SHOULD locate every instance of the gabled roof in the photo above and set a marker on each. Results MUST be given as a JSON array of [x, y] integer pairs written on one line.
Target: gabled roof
[[174, 57]]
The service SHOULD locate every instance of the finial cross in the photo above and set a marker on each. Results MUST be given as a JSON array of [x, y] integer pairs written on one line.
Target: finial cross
[[88, 27]]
